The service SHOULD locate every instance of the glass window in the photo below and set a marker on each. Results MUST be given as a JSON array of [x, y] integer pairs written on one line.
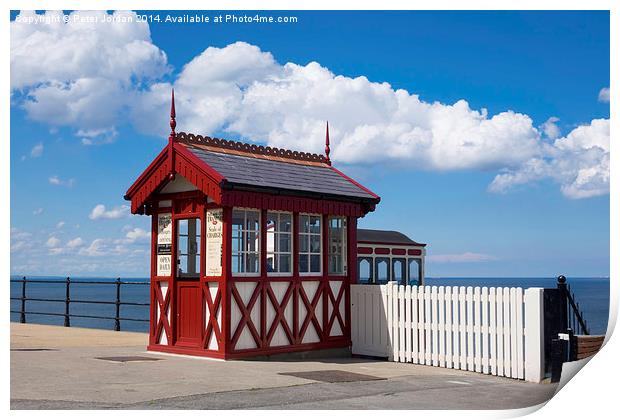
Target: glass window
[[337, 245], [279, 230], [310, 244], [245, 247], [399, 271], [188, 248], [382, 269], [415, 271], [364, 270]]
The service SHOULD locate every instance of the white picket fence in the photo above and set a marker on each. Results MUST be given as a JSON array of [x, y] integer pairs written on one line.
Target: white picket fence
[[477, 329]]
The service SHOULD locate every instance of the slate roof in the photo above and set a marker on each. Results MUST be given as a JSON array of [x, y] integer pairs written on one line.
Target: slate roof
[[385, 237], [256, 167]]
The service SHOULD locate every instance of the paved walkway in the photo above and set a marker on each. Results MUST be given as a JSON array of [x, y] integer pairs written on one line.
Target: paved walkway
[[57, 367]]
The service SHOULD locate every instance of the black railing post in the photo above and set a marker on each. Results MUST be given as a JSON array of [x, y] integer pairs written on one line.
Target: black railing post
[[67, 301], [22, 316], [117, 321], [563, 303]]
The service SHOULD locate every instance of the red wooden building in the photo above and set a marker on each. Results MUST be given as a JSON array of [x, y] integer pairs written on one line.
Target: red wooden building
[[253, 248]]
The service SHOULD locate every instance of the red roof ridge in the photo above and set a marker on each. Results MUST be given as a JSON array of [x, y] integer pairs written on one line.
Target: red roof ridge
[[248, 148]]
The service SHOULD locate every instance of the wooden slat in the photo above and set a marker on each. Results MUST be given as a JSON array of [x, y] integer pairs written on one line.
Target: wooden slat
[[484, 303], [408, 326], [462, 329], [520, 336], [434, 326], [506, 329], [477, 330], [415, 325], [499, 317], [469, 297], [401, 323], [428, 358], [441, 298], [448, 327]]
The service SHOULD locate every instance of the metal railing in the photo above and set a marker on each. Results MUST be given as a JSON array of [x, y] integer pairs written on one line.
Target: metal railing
[[68, 300], [574, 315]]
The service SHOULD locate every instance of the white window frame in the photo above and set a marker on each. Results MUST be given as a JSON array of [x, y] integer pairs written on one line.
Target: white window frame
[[309, 253], [344, 245], [244, 252], [275, 238]]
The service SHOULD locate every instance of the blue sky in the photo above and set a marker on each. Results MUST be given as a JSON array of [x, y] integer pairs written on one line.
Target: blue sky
[[520, 189]]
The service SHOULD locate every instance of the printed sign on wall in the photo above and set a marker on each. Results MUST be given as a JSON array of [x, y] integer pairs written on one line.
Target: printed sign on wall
[[164, 244], [214, 242]]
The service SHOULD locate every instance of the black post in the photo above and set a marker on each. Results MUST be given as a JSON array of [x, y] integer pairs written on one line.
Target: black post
[[572, 346], [563, 303], [117, 321], [67, 300], [22, 316]]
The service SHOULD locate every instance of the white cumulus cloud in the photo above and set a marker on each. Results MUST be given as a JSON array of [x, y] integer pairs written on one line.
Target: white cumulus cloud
[[578, 162], [603, 95], [100, 212], [137, 234], [74, 243], [80, 74], [91, 78], [52, 242]]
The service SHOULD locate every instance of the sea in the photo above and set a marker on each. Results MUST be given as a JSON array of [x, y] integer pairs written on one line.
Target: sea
[[592, 294]]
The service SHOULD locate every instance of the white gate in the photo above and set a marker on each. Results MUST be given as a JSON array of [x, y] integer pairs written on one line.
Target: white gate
[[473, 328]]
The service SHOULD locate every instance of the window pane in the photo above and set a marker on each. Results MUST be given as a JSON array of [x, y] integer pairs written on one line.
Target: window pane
[[303, 243], [252, 241], [271, 263], [414, 271], [284, 244], [237, 263], [315, 243], [252, 221], [182, 265], [236, 243], [286, 222], [303, 263], [398, 270], [182, 227], [271, 242], [252, 263], [315, 263], [304, 223], [315, 224], [383, 270], [364, 270], [237, 219], [182, 245], [285, 264]]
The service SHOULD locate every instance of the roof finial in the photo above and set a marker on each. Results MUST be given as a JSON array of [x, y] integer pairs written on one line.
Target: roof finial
[[327, 149], [173, 122]]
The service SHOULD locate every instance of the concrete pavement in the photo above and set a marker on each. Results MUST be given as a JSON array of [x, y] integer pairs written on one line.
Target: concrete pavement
[[56, 367]]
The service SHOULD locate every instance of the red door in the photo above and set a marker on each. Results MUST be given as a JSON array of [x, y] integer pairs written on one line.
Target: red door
[[189, 321], [189, 313]]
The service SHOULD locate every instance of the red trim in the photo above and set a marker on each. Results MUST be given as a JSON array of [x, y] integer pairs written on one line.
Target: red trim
[[407, 244], [399, 251], [414, 252], [356, 183], [144, 176], [382, 251], [364, 250], [277, 202]]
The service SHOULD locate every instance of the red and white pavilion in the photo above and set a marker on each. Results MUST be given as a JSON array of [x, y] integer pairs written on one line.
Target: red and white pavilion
[[253, 248]]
